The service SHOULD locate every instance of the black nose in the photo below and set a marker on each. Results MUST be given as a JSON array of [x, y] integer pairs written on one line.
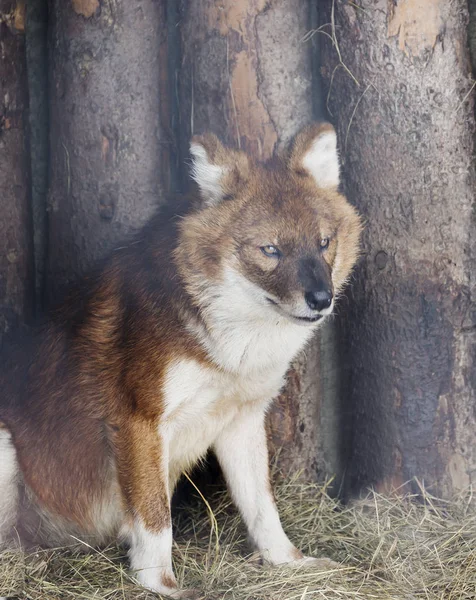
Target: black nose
[[318, 300]]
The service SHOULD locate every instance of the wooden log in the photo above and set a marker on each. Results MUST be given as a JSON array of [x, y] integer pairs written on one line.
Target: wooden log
[[401, 91], [16, 249], [246, 76], [108, 145]]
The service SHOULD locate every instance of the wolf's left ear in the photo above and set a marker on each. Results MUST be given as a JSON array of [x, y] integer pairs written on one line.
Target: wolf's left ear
[[314, 152], [218, 171]]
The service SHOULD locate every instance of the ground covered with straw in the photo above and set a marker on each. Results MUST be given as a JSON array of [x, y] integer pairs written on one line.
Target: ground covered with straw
[[399, 548]]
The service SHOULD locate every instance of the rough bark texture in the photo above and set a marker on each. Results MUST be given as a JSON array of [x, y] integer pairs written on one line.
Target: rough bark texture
[[16, 256], [407, 131], [107, 68], [246, 75], [37, 68]]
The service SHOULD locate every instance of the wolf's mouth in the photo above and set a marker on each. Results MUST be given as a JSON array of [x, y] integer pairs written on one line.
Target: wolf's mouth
[[294, 317], [310, 319]]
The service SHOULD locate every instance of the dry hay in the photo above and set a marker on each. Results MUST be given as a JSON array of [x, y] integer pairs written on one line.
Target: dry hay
[[389, 548]]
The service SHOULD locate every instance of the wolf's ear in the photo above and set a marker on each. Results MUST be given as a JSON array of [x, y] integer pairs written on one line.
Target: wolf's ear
[[314, 152], [218, 171]]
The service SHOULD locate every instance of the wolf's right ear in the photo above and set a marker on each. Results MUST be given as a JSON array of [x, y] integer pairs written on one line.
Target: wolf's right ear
[[314, 153], [218, 171]]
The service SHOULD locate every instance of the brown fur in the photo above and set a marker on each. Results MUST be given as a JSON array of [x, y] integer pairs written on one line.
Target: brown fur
[[260, 201], [86, 388], [82, 397]]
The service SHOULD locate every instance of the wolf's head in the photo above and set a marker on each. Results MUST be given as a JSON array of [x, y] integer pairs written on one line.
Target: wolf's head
[[269, 239]]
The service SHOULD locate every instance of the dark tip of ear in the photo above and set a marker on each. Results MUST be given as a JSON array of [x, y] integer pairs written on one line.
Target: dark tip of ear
[[209, 141], [302, 141], [318, 127], [204, 138], [311, 132]]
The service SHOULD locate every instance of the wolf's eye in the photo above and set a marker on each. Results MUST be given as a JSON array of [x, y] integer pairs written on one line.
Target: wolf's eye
[[324, 243], [270, 251]]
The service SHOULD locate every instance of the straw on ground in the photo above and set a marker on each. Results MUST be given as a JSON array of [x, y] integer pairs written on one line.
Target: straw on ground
[[389, 549]]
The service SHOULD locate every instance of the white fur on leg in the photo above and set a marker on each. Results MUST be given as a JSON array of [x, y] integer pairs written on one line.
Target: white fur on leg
[[150, 556], [242, 453], [9, 476]]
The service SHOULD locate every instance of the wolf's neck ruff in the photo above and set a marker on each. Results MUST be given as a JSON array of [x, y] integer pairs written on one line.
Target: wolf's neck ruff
[[241, 335]]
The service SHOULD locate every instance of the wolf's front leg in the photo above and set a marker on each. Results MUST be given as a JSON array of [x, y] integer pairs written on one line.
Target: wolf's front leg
[[242, 453], [142, 460]]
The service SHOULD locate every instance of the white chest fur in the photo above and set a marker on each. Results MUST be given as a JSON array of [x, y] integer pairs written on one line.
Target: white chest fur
[[201, 401], [252, 348], [243, 334]]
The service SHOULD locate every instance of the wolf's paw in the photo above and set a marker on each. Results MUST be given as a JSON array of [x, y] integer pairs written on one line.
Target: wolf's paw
[[295, 559], [165, 584], [317, 564], [190, 594], [177, 594]]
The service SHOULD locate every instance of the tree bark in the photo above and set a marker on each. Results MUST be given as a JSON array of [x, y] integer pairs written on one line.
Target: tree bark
[[37, 70], [246, 76], [400, 90], [16, 254], [108, 146]]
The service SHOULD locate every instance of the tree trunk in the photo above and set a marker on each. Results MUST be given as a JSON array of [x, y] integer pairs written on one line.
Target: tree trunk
[[16, 254], [246, 76], [107, 71], [37, 69], [403, 100]]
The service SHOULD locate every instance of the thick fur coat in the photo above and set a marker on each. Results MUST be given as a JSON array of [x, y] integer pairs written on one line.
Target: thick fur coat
[[178, 344]]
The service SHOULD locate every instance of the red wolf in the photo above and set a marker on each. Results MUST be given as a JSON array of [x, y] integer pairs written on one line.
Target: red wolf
[[177, 345]]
